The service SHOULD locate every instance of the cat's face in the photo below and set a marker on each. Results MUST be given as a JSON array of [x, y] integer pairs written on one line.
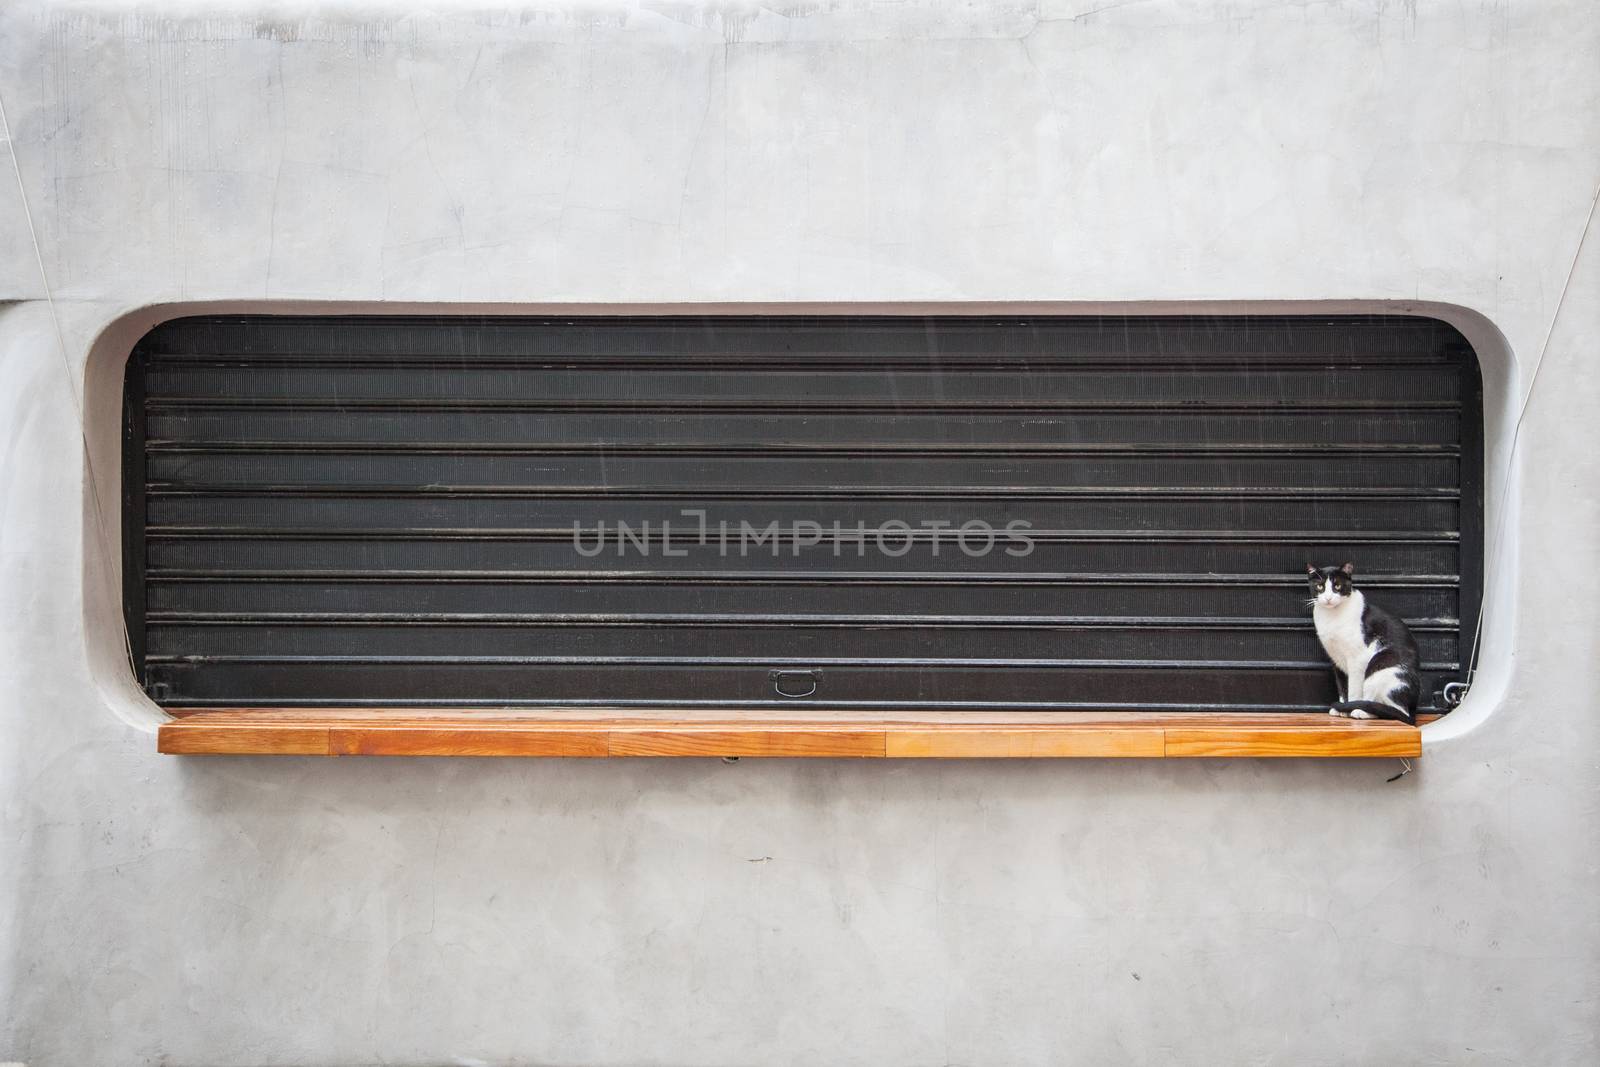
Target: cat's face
[[1330, 585]]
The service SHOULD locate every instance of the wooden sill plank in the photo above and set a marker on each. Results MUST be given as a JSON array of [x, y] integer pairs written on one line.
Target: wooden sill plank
[[1393, 739], [486, 740], [200, 738], [864, 742], [811, 733], [957, 742]]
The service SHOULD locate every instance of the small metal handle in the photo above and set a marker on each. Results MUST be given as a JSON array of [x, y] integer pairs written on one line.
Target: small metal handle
[[1453, 694], [795, 679]]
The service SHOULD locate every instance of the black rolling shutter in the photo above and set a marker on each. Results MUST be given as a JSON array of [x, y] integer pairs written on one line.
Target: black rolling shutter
[[345, 511]]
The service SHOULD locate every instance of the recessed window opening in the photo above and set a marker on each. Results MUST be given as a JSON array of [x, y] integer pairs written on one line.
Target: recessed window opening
[[1052, 514]]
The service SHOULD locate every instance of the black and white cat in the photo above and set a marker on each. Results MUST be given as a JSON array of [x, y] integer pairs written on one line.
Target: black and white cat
[[1375, 661]]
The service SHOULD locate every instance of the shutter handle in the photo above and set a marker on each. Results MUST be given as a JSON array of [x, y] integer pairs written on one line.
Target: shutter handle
[[795, 684]]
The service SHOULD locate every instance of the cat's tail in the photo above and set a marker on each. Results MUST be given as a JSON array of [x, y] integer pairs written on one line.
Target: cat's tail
[[1377, 710]]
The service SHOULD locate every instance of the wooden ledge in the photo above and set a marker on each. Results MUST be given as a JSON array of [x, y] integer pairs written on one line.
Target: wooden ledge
[[815, 733]]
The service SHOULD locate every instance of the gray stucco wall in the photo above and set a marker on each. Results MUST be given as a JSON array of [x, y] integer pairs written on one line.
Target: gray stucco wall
[[254, 912]]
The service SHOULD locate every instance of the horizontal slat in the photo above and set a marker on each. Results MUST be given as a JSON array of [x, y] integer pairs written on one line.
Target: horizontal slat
[[755, 362], [521, 534], [795, 715], [700, 658], [755, 638], [794, 593], [1173, 426], [250, 385], [788, 338], [789, 449], [1085, 511], [1088, 685], [716, 475], [744, 620], [464, 551], [810, 492]]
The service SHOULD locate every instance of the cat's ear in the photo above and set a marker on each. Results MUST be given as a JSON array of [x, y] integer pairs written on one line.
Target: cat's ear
[[1311, 568], [1349, 569]]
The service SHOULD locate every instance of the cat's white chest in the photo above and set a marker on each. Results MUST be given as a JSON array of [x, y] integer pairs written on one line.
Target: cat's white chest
[[1339, 630]]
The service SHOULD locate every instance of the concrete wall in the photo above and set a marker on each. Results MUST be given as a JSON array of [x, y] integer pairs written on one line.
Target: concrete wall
[[261, 912]]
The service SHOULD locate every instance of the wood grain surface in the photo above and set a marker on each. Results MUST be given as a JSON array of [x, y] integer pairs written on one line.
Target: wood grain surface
[[814, 733]]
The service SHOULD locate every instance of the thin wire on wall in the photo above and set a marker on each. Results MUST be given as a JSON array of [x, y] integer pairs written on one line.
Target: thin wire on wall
[[1516, 437]]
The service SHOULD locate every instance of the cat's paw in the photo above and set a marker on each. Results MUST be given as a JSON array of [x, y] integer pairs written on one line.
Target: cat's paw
[[1335, 711], [1359, 714]]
